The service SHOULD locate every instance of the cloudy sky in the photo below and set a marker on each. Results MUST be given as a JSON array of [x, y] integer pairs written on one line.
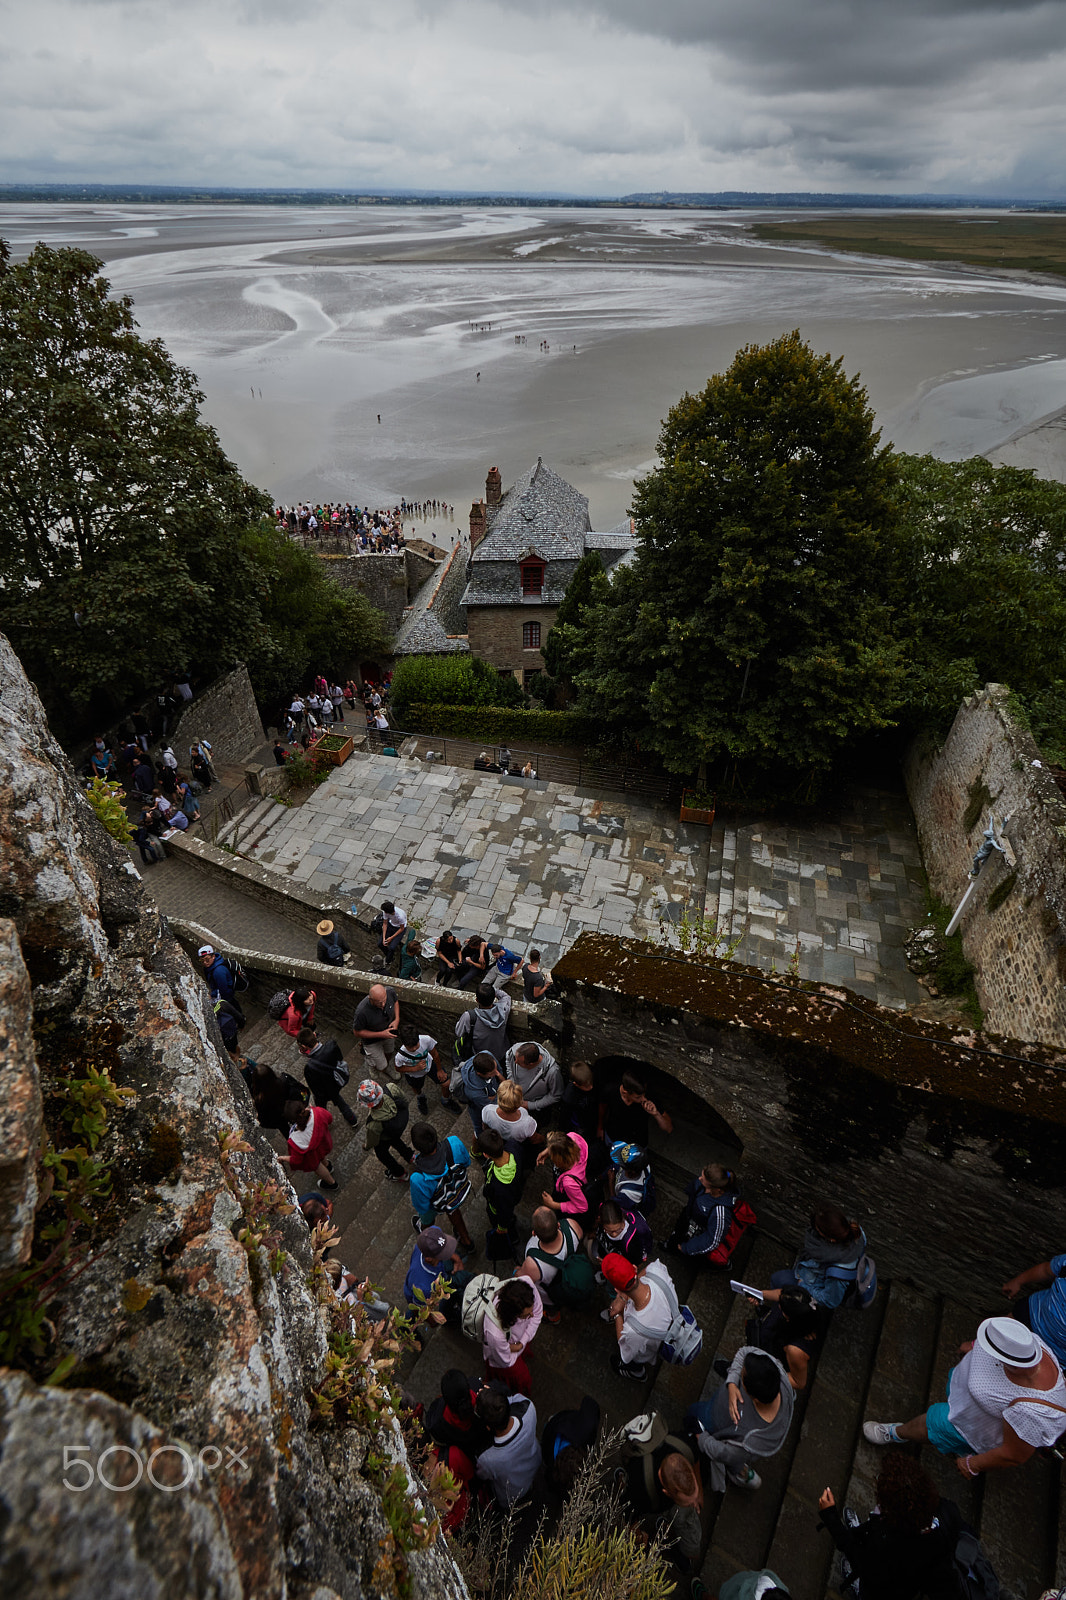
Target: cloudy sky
[[578, 96]]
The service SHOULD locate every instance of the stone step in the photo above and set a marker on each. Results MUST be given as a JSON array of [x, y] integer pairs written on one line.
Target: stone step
[[1018, 1527], [957, 1323], [799, 1553], [899, 1383], [710, 1300], [240, 822], [727, 881]]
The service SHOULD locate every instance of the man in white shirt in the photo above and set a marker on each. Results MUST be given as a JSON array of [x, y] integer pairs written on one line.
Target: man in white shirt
[[640, 1313], [393, 922], [511, 1462], [1006, 1398]]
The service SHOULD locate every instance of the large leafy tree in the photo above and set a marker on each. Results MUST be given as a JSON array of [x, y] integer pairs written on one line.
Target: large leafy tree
[[755, 624], [981, 568], [120, 514], [565, 650]]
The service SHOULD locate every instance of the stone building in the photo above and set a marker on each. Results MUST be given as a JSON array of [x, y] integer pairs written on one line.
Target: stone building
[[525, 545]]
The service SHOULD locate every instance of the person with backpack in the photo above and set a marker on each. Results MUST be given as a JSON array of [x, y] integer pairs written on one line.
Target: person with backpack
[[556, 1264], [762, 1585], [663, 1489], [332, 948], [579, 1111], [714, 1218], [501, 1193], [221, 979], [387, 1114], [568, 1154], [451, 1420], [326, 1071], [416, 1057], [828, 1260], [485, 1026], [272, 1093], [310, 1142], [436, 1256], [298, 1011], [566, 1444], [746, 1418], [906, 1547], [624, 1233], [630, 1179], [440, 1179], [641, 1315], [537, 1073], [787, 1330], [479, 1077], [511, 1321]]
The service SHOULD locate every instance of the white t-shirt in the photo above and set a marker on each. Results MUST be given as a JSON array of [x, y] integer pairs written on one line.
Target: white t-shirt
[[419, 1061], [512, 1133], [636, 1345], [395, 919], [980, 1396]]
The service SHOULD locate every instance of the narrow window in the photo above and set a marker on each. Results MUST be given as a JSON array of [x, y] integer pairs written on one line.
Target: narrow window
[[531, 636]]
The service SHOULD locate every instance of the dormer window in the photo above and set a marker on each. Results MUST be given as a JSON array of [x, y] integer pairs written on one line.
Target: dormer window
[[532, 570]]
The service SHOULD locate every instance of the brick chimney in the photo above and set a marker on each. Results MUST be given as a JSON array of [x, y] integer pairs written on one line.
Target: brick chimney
[[477, 523], [493, 486]]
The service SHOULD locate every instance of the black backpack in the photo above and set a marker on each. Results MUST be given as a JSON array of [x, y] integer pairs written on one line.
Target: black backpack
[[278, 1004], [974, 1576], [237, 973]]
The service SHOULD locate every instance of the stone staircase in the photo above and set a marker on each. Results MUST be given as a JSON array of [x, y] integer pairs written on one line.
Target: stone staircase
[[886, 1363], [250, 825]]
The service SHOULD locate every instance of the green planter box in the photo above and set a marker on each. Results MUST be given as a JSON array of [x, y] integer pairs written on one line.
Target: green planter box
[[697, 807], [332, 747]]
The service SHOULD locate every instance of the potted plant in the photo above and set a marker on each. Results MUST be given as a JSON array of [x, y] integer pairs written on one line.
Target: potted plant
[[697, 805], [332, 747]]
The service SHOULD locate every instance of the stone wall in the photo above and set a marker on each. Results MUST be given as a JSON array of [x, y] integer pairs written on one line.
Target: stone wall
[[1014, 928], [495, 634], [226, 715], [387, 581], [949, 1149], [182, 1344]]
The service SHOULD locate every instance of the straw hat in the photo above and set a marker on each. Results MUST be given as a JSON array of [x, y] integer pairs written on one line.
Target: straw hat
[[324, 927]]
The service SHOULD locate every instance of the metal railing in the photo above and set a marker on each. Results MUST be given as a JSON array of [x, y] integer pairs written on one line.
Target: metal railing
[[582, 771]]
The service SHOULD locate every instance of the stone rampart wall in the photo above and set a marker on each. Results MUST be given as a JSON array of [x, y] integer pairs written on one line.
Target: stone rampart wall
[[387, 581], [226, 715], [953, 1161], [1014, 928]]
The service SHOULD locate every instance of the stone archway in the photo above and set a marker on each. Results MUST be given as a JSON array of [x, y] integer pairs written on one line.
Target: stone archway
[[701, 1134]]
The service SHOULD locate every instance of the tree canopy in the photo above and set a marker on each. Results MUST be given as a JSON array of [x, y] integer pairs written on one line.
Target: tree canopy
[[755, 621], [565, 650], [125, 542]]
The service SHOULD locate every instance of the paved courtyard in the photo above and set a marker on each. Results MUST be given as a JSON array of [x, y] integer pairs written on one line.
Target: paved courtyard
[[530, 861], [535, 863]]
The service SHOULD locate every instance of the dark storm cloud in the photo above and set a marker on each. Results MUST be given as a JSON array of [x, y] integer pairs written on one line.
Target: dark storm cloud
[[583, 96]]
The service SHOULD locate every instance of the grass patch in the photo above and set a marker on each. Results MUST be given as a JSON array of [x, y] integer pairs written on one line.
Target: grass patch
[[1015, 243]]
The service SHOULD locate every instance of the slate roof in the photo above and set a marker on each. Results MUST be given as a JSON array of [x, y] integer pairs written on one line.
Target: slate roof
[[543, 514], [435, 625]]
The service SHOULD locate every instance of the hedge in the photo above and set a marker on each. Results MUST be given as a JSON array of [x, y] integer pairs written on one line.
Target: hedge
[[501, 725]]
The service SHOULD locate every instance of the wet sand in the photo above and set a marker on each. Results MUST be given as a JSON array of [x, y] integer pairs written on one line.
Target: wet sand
[[304, 325]]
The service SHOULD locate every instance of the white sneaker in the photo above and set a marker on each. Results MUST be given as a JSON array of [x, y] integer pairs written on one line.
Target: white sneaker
[[879, 1432], [749, 1479]]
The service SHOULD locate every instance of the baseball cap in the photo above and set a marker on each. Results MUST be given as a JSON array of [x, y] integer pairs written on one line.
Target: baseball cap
[[434, 1243], [206, 950], [622, 1154], [1008, 1341], [619, 1272]]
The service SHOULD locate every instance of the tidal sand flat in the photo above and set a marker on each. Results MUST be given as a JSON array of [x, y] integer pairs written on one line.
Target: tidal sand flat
[[495, 336]]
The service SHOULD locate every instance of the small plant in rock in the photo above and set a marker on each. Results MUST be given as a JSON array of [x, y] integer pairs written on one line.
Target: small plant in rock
[[106, 799], [697, 934]]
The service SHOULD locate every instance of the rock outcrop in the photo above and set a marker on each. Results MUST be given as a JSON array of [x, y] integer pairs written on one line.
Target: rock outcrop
[[174, 1453]]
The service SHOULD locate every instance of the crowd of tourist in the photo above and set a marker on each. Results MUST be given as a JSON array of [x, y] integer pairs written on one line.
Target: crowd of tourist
[[378, 532], [580, 1149]]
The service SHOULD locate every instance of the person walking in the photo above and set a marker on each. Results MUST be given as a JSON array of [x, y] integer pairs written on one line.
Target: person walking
[[440, 1179], [711, 1202], [387, 1112], [1039, 1296], [906, 1547], [485, 1026], [480, 1077], [537, 1073], [377, 1024], [511, 1462], [511, 1321], [326, 1071], [416, 1057], [1006, 1398], [510, 1119], [568, 1154], [300, 1011], [826, 1264], [640, 1314], [310, 1142]]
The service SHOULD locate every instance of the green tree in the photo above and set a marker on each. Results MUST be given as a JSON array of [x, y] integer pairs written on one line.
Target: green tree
[[308, 623], [981, 587], [456, 680], [565, 650], [754, 625], [120, 514]]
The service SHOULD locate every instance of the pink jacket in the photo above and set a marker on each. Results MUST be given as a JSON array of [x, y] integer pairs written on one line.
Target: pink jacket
[[496, 1342], [570, 1185]]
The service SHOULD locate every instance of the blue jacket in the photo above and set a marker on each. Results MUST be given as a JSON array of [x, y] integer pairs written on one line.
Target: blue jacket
[[710, 1215], [480, 1092], [424, 1185], [421, 1275], [220, 979]]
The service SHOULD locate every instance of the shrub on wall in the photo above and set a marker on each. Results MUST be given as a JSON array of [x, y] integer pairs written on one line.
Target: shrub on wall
[[502, 725]]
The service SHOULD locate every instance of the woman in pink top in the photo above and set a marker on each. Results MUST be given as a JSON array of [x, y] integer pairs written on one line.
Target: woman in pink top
[[568, 1154], [510, 1323]]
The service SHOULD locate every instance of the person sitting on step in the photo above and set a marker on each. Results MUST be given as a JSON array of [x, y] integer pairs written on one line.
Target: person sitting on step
[[747, 1417], [832, 1248], [906, 1548]]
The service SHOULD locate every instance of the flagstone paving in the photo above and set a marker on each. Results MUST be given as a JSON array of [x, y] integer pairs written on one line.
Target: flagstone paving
[[536, 863]]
